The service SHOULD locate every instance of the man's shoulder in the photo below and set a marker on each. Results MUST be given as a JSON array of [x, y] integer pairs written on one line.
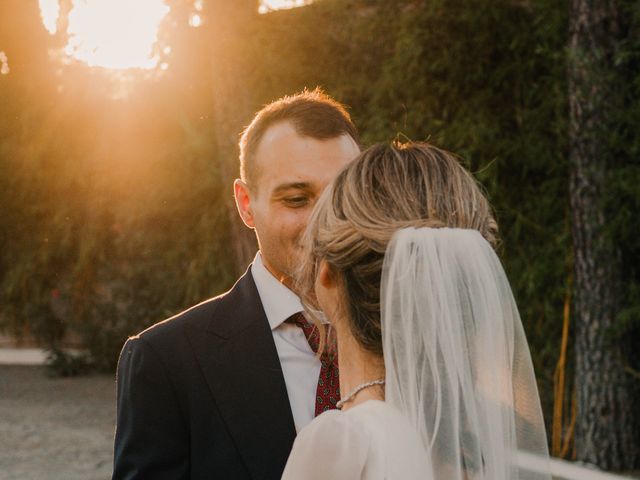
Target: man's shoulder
[[197, 318], [198, 315]]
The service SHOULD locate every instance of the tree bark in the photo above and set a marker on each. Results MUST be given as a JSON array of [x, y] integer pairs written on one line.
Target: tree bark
[[607, 432]]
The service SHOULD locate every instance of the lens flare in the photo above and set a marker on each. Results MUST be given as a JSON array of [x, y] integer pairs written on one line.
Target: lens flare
[[4, 63], [195, 20]]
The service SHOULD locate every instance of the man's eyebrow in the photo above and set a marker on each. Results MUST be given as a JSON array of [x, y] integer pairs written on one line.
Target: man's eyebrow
[[291, 186]]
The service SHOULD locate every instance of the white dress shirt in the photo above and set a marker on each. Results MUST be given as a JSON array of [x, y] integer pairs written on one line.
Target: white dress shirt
[[300, 366]]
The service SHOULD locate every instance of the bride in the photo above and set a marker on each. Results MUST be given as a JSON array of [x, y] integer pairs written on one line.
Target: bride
[[435, 372]]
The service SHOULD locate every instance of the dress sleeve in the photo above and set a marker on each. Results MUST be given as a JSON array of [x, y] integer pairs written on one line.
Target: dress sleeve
[[332, 446]]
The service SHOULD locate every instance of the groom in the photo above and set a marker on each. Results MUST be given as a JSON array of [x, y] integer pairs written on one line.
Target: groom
[[220, 390]]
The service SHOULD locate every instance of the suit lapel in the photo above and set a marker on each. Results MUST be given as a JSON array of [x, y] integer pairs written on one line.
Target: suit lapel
[[241, 365]]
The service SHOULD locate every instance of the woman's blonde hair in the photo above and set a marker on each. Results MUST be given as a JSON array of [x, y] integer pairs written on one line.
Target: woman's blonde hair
[[388, 187]]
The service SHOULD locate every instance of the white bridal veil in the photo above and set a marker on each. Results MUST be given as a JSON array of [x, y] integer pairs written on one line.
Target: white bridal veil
[[456, 357]]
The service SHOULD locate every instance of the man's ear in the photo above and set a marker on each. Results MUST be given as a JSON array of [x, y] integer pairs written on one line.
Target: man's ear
[[243, 202]]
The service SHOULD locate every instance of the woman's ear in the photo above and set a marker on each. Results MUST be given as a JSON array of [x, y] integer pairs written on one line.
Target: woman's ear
[[243, 202], [326, 275], [326, 289]]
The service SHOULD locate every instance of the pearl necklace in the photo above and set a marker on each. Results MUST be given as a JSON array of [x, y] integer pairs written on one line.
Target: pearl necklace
[[357, 390]]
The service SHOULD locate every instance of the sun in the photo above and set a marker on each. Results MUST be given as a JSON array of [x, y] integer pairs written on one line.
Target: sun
[[113, 34]]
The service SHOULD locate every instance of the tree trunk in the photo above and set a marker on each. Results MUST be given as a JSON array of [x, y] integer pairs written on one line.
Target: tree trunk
[[607, 431]]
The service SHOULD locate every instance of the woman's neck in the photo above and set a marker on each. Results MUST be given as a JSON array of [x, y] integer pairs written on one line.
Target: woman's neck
[[357, 367]]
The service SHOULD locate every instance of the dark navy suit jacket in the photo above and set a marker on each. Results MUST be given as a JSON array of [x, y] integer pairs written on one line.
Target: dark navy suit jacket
[[202, 395]]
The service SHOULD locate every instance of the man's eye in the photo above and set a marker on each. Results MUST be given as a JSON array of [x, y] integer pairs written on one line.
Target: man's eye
[[296, 201]]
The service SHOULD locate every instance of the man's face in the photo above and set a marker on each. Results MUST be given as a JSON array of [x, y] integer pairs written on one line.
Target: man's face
[[291, 171]]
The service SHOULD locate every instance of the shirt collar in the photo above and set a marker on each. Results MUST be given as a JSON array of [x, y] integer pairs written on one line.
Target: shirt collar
[[278, 301]]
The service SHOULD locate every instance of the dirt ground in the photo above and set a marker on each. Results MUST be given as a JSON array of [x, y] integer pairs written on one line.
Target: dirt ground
[[55, 428], [58, 428]]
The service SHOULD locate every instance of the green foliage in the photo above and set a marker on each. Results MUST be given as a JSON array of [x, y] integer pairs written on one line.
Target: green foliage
[[482, 78], [62, 363], [622, 201], [113, 215], [122, 223]]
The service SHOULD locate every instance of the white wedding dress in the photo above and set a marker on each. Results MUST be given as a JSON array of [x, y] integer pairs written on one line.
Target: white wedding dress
[[371, 441], [461, 400]]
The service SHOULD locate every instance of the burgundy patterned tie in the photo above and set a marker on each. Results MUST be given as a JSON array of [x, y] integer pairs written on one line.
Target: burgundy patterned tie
[[328, 391]]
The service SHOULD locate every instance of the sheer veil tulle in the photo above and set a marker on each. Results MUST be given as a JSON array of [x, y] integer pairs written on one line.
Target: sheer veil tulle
[[456, 357]]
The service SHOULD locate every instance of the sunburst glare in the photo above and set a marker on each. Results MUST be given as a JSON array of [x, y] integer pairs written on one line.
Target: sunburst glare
[[49, 11], [270, 5], [121, 34], [114, 34]]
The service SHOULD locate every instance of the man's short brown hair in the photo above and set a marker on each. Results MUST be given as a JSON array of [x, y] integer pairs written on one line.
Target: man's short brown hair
[[311, 113]]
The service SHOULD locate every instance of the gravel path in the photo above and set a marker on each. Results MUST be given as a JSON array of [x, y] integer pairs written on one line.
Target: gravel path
[[55, 428]]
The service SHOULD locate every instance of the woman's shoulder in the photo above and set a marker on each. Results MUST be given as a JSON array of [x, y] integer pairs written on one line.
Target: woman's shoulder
[[335, 424], [365, 427], [378, 409], [333, 435], [395, 442], [356, 421], [369, 441]]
